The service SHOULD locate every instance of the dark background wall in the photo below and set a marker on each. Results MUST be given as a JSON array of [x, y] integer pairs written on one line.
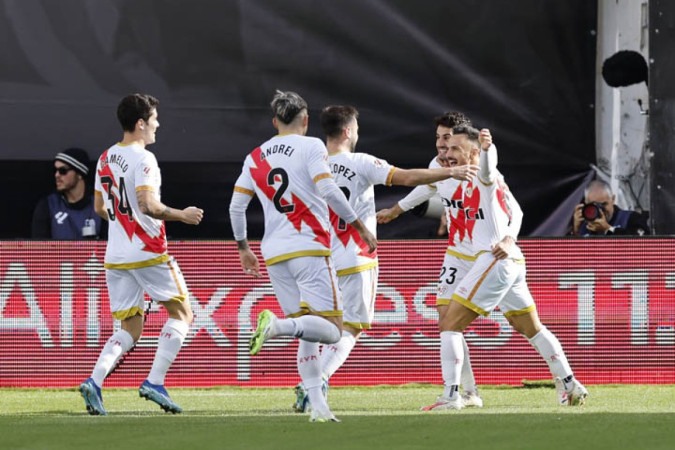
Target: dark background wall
[[526, 72]]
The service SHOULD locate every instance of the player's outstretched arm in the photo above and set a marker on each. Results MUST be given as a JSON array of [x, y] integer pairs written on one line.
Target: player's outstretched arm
[[416, 177], [388, 214], [151, 206], [417, 196]]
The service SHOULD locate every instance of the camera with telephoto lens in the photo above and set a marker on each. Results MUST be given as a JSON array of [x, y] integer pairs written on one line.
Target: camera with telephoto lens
[[591, 211]]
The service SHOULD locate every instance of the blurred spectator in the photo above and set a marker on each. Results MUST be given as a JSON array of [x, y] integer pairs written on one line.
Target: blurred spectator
[[69, 212], [599, 215]]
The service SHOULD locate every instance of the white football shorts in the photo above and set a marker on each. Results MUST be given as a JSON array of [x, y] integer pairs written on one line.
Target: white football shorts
[[358, 297], [306, 284], [492, 282], [454, 269], [163, 282]]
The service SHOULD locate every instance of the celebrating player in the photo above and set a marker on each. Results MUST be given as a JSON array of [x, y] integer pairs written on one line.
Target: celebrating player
[[455, 263], [497, 277], [127, 186], [292, 180], [357, 268]]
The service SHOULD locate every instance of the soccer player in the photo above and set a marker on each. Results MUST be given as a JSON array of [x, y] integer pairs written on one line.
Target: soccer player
[[357, 268], [127, 194], [290, 175], [497, 277], [455, 263]]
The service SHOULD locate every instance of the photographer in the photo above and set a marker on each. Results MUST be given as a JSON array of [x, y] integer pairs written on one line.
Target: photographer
[[599, 216]]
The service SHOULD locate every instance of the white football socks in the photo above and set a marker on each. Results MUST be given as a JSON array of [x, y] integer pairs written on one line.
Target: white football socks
[[467, 379], [334, 355], [452, 359], [309, 328], [550, 349], [170, 341], [309, 368], [116, 346]]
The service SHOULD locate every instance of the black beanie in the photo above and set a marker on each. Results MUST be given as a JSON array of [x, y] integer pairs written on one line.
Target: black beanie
[[76, 158]]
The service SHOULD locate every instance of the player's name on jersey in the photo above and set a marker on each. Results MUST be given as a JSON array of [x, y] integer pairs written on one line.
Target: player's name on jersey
[[117, 160], [470, 213], [339, 169], [452, 203], [277, 149]]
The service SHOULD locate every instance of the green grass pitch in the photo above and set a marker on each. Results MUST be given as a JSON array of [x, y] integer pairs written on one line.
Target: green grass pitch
[[615, 417]]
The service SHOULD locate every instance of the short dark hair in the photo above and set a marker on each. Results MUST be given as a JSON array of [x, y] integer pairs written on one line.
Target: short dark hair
[[451, 119], [287, 105], [334, 118], [470, 132], [134, 107]]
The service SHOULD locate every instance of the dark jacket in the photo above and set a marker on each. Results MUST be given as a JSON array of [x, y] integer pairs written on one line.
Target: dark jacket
[[55, 218], [625, 223]]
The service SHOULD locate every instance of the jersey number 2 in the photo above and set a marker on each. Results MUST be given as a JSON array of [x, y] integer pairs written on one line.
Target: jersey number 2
[[275, 175]]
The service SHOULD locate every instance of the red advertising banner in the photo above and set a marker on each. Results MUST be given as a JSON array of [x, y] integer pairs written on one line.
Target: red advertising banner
[[611, 302]]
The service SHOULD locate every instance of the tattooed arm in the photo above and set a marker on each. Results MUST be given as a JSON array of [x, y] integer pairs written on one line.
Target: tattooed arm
[[150, 205]]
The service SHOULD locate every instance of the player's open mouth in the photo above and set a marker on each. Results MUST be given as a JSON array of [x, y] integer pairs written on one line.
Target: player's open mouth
[[451, 162]]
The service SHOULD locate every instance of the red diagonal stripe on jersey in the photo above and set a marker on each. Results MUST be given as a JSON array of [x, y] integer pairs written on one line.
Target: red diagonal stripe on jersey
[[503, 198], [301, 213], [152, 244], [125, 221], [457, 225], [155, 244], [471, 203], [349, 233]]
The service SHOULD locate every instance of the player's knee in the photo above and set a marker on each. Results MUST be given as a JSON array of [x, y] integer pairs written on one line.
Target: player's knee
[[135, 334], [353, 331], [180, 310], [334, 333], [188, 316]]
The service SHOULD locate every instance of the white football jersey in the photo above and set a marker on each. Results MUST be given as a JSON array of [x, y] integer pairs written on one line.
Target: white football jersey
[[451, 192], [488, 212], [283, 173], [356, 174], [134, 239]]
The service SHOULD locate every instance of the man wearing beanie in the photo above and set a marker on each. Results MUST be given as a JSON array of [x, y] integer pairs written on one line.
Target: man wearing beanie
[[69, 212]]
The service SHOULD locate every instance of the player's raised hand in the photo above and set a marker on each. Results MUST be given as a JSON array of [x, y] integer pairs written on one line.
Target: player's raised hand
[[485, 139], [192, 215], [464, 173]]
